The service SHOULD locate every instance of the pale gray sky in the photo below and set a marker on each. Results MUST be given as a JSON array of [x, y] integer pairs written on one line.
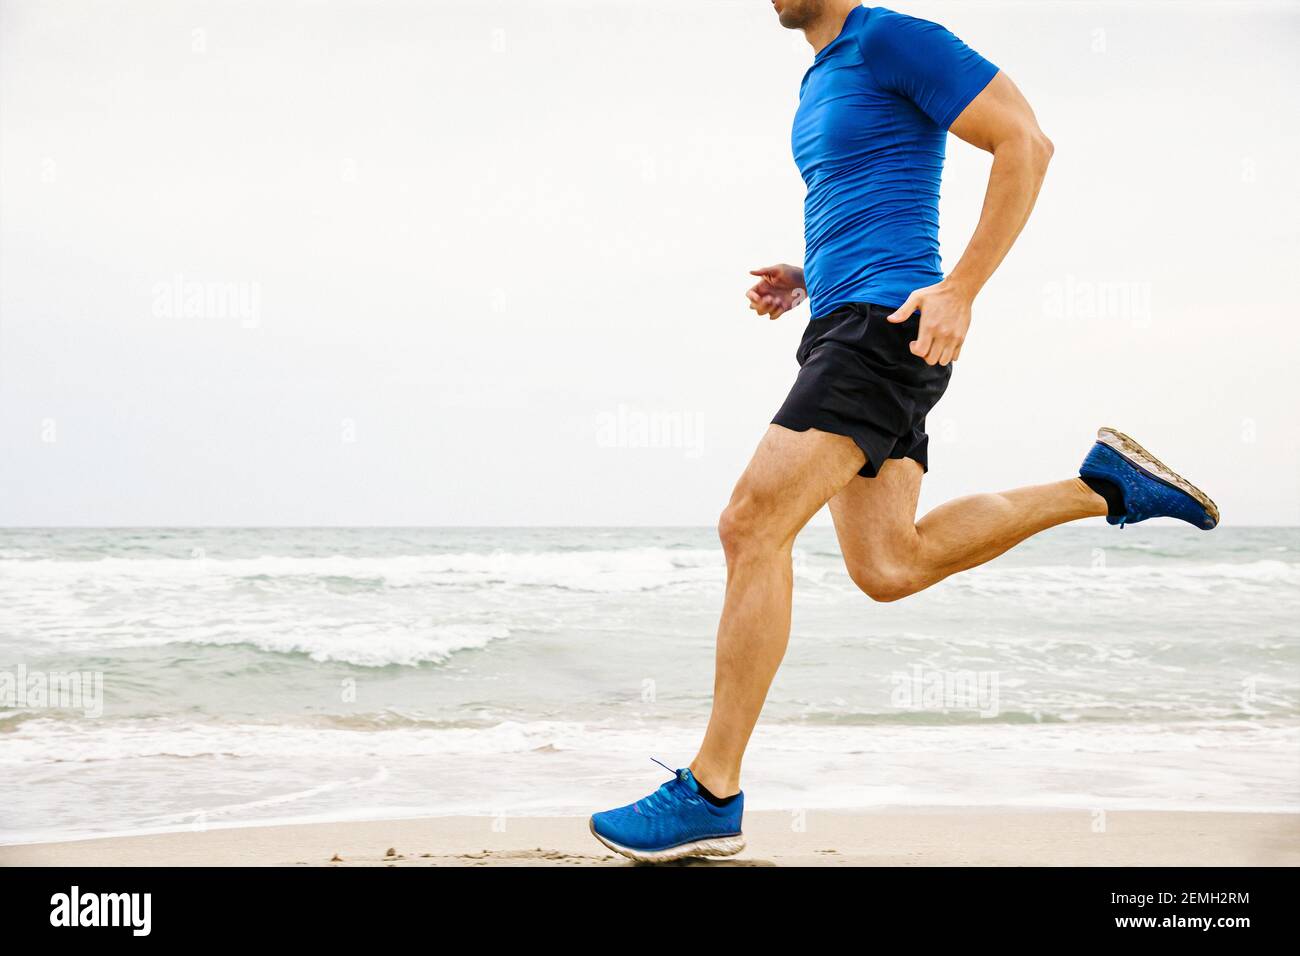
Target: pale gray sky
[[454, 263]]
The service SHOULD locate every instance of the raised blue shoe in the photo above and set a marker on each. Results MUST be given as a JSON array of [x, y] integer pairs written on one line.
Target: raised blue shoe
[[1149, 487], [672, 823]]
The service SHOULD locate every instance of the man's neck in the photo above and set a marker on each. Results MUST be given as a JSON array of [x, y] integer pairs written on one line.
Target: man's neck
[[827, 27]]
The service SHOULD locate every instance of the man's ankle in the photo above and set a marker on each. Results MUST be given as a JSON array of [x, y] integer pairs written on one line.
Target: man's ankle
[[720, 785], [1092, 500], [1101, 497]]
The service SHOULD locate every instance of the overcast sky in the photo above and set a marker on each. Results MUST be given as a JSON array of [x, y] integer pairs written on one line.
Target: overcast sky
[[484, 263]]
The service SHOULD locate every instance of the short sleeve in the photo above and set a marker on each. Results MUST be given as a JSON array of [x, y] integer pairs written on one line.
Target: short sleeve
[[925, 63]]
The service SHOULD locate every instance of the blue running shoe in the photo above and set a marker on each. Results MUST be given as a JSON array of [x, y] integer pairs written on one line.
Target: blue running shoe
[[1150, 488], [672, 823]]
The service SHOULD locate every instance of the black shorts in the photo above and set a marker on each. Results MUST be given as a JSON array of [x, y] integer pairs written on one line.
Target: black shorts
[[858, 377]]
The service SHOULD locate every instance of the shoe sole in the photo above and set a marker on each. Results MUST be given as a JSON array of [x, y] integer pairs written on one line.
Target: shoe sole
[[1126, 446], [714, 846]]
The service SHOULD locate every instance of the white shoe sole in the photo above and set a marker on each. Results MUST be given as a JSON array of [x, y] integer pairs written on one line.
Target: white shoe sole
[[1131, 450], [714, 846]]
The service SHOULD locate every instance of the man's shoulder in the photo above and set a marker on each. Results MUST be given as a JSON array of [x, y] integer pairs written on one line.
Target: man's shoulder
[[884, 30]]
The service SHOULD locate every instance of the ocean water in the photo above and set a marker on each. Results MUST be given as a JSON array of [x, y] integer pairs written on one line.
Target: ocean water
[[215, 677]]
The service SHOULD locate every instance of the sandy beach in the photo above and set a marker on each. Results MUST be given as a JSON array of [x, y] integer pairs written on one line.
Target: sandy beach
[[885, 837]]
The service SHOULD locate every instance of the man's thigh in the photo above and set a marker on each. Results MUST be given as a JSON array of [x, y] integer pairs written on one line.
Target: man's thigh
[[791, 475], [875, 518]]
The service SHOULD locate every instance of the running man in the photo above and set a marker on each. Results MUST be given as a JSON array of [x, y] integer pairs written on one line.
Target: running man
[[886, 325]]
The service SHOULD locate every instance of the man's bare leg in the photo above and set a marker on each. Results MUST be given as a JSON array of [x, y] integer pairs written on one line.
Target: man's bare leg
[[790, 477], [889, 554]]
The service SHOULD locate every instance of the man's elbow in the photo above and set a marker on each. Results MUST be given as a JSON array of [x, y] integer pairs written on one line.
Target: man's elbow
[[1029, 147], [1042, 148]]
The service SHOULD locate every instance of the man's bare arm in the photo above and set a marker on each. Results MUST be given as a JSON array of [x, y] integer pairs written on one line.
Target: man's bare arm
[[1000, 121]]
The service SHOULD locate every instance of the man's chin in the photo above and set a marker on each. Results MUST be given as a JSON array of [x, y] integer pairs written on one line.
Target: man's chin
[[791, 19]]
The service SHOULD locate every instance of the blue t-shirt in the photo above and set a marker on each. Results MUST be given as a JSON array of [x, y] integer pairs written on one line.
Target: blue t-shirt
[[869, 135]]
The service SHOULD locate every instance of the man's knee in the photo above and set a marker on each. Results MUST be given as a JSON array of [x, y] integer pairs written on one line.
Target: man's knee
[[746, 528], [883, 582]]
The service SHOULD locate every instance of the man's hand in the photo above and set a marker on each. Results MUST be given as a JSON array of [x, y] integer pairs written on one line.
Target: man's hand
[[778, 290], [945, 317]]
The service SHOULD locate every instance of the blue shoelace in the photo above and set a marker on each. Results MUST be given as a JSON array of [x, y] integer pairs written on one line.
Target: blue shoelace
[[670, 796]]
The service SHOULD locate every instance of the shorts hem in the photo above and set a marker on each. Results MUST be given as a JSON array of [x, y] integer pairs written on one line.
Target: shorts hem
[[870, 469]]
